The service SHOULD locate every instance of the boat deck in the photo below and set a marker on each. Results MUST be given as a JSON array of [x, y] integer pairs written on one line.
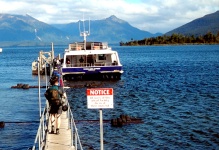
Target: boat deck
[[61, 141]]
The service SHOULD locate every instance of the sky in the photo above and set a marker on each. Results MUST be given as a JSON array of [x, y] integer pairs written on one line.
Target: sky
[[148, 15]]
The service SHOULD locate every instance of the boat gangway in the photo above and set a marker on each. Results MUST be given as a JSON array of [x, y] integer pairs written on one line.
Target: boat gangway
[[68, 139]]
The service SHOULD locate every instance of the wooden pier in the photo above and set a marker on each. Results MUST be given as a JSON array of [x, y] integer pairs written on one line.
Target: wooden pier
[[62, 141]]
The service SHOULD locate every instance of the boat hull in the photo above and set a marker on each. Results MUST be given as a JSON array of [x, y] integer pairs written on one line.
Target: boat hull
[[97, 73]]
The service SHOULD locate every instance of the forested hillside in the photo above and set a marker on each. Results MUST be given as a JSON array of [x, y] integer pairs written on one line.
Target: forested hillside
[[208, 38]]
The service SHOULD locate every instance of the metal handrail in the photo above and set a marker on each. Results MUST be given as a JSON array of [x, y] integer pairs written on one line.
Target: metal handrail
[[74, 130], [40, 138]]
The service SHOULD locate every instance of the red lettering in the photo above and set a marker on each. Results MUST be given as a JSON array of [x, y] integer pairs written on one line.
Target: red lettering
[[101, 91]]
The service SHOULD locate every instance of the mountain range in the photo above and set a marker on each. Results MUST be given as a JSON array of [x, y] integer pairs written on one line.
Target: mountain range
[[111, 29], [200, 26], [15, 29], [26, 30]]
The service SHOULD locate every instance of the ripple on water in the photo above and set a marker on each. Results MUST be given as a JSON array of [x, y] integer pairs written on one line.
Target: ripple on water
[[176, 95]]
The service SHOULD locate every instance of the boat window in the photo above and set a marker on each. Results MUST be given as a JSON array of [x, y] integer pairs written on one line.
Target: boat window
[[68, 61], [101, 57]]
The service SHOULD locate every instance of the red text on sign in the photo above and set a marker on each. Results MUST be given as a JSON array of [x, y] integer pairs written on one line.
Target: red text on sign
[[99, 91]]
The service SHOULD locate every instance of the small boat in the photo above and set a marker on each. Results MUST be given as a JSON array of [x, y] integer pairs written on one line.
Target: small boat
[[0, 50], [90, 60]]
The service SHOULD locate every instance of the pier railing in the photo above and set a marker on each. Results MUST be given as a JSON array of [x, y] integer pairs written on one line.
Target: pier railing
[[74, 134], [40, 139], [42, 132], [92, 64]]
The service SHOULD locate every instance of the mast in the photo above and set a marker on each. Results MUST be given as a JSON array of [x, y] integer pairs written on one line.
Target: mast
[[84, 33]]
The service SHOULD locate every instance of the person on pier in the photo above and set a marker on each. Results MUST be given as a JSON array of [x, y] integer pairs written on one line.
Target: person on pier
[[54, 95]]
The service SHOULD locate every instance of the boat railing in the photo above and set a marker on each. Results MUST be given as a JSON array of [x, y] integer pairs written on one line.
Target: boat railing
[[99, 45], [76, 46], [79, 65], [89, 46], [92, 64], [40, 139]]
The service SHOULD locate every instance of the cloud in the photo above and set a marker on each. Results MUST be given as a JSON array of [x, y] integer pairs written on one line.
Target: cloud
[[149, 15]]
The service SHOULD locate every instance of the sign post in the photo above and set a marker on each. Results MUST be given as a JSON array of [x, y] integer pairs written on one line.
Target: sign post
[[101, 129], [100, 98]]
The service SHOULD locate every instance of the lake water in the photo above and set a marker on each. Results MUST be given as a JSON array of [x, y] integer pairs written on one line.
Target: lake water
[[173, 89]]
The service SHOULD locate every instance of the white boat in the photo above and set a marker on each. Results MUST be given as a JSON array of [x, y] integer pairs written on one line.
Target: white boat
[[0, 50], [90, 60]]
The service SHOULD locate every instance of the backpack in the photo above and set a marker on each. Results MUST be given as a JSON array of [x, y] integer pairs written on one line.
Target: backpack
[[53, 96]]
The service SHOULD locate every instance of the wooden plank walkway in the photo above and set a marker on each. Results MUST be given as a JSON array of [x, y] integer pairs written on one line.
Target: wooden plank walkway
[[61, 141]]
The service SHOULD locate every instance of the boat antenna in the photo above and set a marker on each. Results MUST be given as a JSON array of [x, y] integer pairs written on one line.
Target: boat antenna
[[84, 33]]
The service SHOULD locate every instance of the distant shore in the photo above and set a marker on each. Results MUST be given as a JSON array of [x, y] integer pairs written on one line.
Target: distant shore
[[178, 44], [175, 39]]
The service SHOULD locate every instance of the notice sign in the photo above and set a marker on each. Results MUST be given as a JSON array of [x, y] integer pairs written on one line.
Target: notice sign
[[98, 98]]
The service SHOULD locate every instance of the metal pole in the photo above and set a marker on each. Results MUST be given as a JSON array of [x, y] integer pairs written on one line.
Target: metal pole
[[52, 58], [101, 130], [39, 86], [46, 73], [47, 105], [39, 61], [52, 51], [76, 146]]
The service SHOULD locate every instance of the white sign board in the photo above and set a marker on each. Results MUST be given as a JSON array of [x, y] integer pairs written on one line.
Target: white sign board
[[98, 98]]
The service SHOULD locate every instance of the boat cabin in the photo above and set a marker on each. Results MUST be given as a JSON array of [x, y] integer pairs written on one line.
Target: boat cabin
[[93, 54], [91, 59]]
